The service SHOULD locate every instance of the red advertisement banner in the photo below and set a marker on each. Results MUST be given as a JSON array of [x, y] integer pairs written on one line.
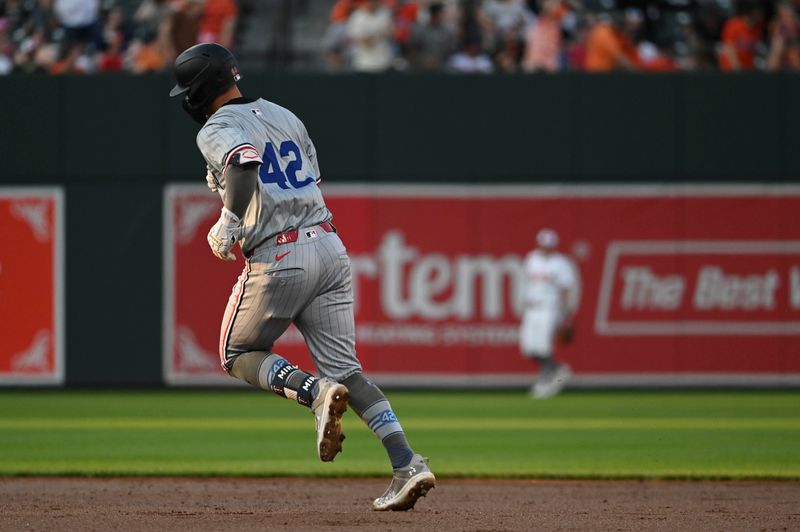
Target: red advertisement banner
[[676, 282], [31, 286]]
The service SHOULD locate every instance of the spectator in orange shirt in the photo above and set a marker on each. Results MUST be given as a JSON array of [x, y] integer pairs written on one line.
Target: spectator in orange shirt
[[146, 55], [740, 36], [218, 22], [608, 48]]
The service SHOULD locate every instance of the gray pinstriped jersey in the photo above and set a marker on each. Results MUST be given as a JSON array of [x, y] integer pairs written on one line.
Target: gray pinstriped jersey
[[287, 196]]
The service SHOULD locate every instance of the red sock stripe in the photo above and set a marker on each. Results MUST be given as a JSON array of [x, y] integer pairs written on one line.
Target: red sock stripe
[[225, 338]]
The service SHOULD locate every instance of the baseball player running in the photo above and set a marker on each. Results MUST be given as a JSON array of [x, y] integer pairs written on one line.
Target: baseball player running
[[550, 285], [263, 164]]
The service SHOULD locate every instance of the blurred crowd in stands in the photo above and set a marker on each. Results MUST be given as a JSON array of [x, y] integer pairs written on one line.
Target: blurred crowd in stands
[[556, 35], [480, 36], [85, 36]]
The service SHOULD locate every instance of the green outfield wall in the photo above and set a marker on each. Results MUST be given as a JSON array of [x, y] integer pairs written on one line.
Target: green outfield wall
[[113, 142], [710, 127]]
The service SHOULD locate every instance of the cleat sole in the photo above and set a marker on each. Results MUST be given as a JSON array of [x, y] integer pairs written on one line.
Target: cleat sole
[[331, 443]]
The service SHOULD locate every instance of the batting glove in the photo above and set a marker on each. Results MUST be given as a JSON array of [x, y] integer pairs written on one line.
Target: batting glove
[[224, 234], [211, 179]]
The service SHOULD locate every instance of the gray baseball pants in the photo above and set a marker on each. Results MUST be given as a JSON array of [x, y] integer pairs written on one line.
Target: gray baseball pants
[[307, 282]]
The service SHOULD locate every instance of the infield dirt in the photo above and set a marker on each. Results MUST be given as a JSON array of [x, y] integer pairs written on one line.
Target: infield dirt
[[205, 504]]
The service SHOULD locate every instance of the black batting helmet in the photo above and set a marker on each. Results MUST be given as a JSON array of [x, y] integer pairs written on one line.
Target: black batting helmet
[[203, 72]]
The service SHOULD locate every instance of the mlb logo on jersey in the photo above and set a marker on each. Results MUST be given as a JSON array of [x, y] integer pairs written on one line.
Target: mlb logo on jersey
[[311, 233]]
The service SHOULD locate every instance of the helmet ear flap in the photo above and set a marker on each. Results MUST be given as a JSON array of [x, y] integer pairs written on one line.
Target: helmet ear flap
[[204, 91], [197, 95], [197, 112]]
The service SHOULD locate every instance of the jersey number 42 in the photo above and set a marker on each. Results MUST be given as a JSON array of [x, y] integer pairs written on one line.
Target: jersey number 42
[[271, 170]]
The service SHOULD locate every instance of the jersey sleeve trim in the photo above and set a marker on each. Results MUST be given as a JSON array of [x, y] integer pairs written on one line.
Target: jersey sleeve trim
[[242, 154]]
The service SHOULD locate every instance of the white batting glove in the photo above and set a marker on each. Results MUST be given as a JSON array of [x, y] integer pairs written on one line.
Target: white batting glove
[[224, 234], [211, 180]]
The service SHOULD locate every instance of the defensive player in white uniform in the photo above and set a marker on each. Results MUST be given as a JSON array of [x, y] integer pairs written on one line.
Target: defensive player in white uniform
[[550, 284], [264, 166]]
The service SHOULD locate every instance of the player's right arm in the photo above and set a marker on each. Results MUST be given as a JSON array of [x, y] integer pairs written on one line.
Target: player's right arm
[[211, 180], [527, 267]]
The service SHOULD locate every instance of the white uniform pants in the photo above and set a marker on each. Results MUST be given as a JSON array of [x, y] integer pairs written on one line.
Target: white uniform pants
[[537, 332]]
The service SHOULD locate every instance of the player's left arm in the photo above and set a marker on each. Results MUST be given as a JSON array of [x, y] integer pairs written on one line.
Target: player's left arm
[[567, 284], [241, 182], [239, 167], [566, 327]]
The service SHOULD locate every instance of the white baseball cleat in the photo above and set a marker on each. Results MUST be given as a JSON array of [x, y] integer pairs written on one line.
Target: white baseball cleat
[[328, 408], [551, 385], [408, 484]]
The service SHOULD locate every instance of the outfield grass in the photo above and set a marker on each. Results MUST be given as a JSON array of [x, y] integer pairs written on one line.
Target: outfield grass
[[576, 435]]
